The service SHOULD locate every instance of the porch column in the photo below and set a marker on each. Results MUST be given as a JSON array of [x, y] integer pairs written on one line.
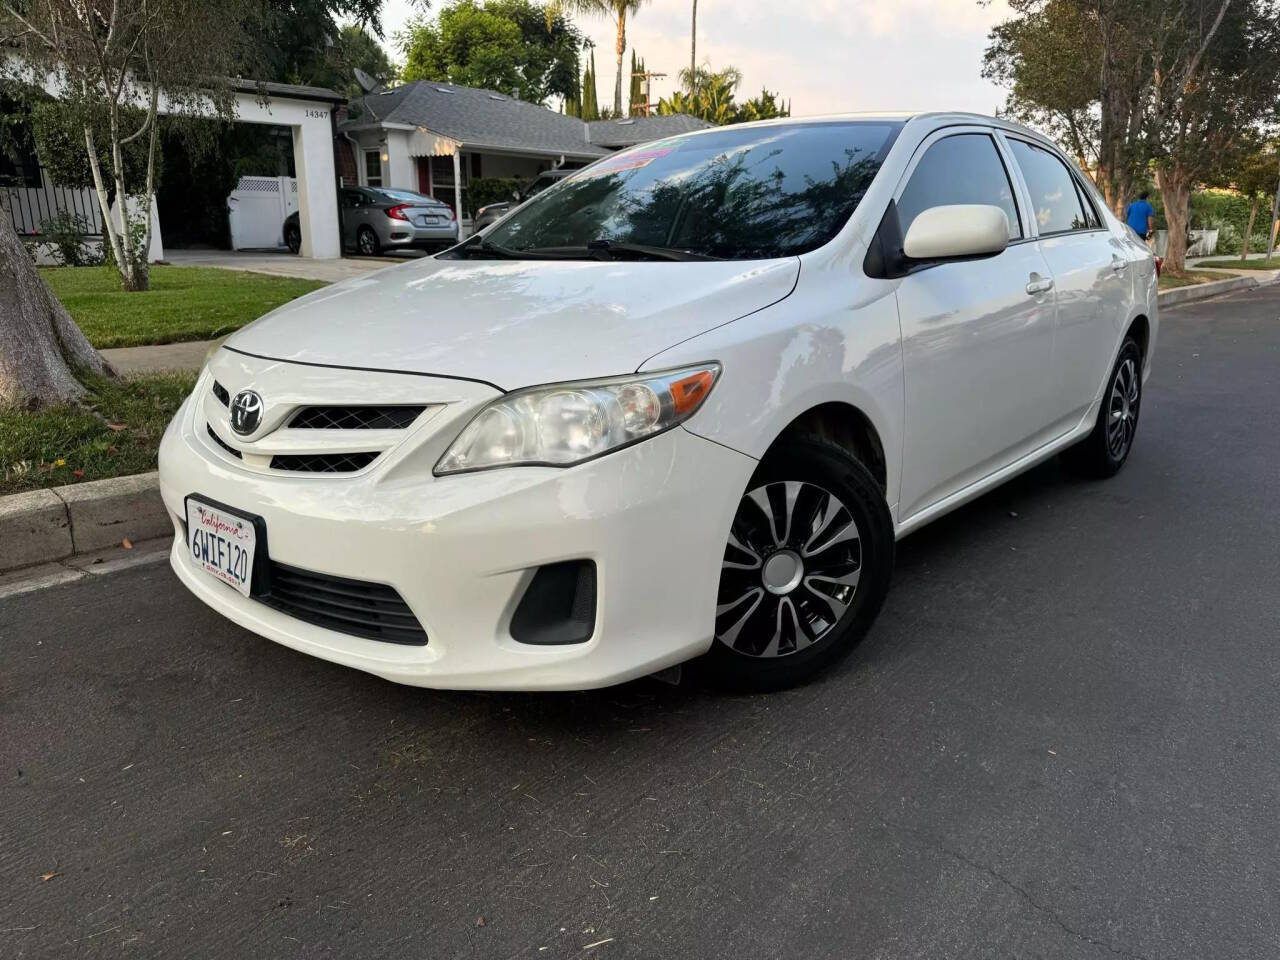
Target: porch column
[[317, 198], [457, 187]]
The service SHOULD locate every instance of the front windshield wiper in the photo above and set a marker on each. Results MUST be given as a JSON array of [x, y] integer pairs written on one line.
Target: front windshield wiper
[[603, 249], [479, 245]]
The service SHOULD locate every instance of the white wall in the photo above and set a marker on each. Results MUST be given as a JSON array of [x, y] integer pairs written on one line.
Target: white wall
[[400, 170]]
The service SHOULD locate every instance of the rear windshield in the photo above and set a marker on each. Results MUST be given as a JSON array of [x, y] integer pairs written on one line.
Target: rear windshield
[[404, 196], [735, 193]]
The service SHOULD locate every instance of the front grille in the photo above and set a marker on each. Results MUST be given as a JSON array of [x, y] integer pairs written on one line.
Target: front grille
[[223, 444], [221, 392], [355, 418], [323, 462], [371, 610]]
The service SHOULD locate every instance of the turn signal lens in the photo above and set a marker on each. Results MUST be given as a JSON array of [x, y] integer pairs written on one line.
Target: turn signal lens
[[565, 424]]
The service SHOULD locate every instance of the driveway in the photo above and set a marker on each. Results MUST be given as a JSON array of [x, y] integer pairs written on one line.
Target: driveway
[[1059, 741]]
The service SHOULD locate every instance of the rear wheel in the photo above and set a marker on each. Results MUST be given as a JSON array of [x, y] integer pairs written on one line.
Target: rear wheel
[[1104, 451], [367, 242], [805, 570]]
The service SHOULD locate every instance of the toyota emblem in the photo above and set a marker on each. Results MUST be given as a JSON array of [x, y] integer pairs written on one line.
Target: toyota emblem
[[246, 412]]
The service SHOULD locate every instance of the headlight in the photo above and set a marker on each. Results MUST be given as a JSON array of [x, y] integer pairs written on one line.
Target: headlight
[[561, 425]]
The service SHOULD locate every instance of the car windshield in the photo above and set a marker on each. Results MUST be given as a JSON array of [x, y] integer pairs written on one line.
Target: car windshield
[[404, 196], [744, 193]]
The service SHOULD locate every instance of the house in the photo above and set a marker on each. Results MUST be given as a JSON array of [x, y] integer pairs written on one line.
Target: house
[[430, 137], [436, 138]]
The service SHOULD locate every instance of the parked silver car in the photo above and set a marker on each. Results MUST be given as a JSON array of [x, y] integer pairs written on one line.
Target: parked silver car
[[496, 211], [375, 219]]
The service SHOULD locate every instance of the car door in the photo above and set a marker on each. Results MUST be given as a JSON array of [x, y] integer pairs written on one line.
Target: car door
[[1090, 275], [977, 335], [353, 205]]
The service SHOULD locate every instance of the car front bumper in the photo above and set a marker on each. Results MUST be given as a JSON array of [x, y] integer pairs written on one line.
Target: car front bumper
[[461, 550]]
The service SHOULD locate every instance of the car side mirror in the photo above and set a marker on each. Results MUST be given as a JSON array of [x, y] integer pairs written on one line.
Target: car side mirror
[[957, 231]]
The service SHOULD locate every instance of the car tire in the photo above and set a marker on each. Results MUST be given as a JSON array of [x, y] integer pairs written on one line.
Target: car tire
[[809, 559], [293, 238], [1106, 449], [367, 244]]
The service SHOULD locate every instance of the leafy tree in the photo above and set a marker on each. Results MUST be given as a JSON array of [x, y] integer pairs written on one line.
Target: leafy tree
[[506, 45], [1133, 84], [1215, 77], [111, 60], [1258, 180], [618, 11], [711, 95], [589, 99]]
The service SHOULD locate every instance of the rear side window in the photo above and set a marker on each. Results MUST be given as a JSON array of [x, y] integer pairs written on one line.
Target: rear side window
[[1055, 202], [964, 168]]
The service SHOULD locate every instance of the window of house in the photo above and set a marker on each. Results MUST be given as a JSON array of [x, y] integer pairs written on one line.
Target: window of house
[[1055, 202], [373, 168], [965, 168]]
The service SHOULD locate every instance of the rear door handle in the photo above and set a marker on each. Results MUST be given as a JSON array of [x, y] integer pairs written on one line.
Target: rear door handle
[[1039, 285]]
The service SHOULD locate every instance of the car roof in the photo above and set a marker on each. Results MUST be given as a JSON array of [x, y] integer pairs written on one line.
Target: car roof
[[934, 119]]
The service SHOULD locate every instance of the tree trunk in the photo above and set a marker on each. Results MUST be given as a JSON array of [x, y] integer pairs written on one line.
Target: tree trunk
[[621, 49], [1248, 231], [693, 48], [1175, 187], [41, 348]]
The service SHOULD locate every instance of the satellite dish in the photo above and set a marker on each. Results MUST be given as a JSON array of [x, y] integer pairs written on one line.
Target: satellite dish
[[367, 83]]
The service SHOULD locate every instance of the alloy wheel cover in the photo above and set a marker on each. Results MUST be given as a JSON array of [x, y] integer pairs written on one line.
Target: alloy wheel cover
[[790, 569]]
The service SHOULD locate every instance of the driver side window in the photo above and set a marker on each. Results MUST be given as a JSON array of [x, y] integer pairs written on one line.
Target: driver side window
[[964, 168]]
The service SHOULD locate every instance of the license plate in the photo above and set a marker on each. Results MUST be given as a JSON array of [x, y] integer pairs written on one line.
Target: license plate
[[221, 543], [428, 221]]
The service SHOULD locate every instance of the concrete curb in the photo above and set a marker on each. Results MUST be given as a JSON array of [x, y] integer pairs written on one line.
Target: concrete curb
[[1215, 288], [45, 526]]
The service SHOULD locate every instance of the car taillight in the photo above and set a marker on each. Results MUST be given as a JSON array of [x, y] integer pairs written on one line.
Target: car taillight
[[397, 212], [1159, 265], [452, 215]]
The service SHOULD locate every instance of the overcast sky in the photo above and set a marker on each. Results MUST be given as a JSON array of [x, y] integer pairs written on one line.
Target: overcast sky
[[826, 56]]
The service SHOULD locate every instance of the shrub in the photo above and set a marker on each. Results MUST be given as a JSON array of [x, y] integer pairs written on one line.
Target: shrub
[[486, 190], [65, 233]]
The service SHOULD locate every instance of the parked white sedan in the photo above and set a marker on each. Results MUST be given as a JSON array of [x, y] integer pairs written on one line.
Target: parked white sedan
[[680, 404]]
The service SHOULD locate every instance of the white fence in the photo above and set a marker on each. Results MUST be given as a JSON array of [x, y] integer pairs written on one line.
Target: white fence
[[257, 208]]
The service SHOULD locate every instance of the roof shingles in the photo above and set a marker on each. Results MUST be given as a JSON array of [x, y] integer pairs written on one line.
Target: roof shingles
[[486, 118]]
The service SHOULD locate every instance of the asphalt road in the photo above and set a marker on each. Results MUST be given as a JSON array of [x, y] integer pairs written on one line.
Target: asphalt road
[[1060, 740]]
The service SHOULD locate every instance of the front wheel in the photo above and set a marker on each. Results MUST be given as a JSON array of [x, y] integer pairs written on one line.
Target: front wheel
[[805, 570], [293, 238], [1104, 451]]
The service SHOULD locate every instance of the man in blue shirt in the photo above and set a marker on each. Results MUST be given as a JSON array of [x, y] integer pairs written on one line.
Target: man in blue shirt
[[1141, 216]]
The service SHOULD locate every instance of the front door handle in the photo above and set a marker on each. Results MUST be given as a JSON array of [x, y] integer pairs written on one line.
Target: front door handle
[[1117, 264], [1039, 285]]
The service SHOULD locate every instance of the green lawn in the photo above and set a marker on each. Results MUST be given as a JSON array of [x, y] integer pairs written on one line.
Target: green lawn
[[1238, 264], [1169, 281], [115, 432], [184, 303]]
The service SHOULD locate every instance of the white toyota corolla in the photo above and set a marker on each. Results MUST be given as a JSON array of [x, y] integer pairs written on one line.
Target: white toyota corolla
[[680, 404]]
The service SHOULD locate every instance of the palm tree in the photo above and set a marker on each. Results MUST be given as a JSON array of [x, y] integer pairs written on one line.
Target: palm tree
[[617, 11]]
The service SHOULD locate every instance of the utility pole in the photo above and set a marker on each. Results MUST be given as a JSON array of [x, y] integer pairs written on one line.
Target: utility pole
[[645, 106]]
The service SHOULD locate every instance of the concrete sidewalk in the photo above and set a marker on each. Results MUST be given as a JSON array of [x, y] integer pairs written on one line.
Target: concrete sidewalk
[[282, 264], [158, 358]]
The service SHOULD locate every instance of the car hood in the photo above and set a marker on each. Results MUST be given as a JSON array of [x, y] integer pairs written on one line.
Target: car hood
[[515, 323]]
